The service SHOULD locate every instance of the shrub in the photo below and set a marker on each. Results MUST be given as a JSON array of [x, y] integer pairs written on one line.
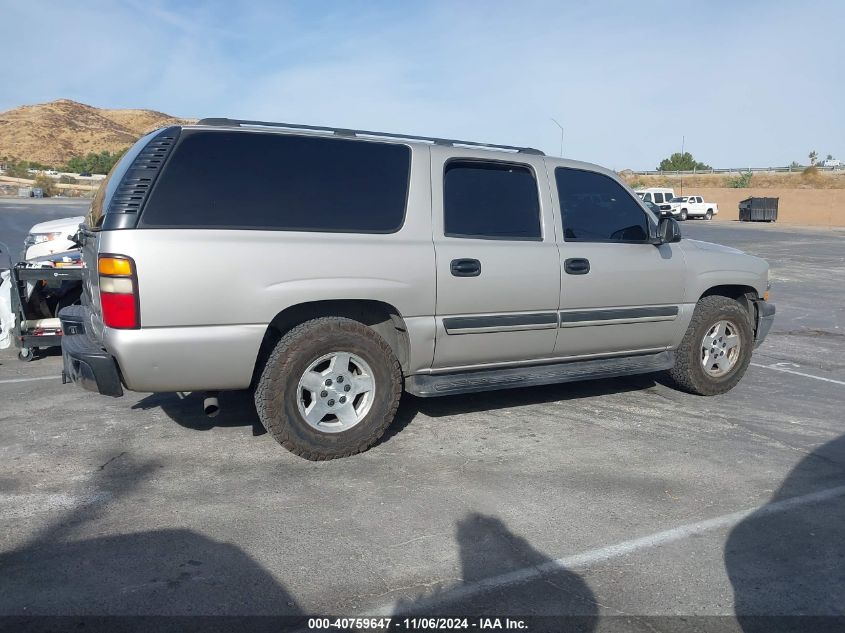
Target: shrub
[[67, 180], [17, 169], [47, 184], [743, 181]]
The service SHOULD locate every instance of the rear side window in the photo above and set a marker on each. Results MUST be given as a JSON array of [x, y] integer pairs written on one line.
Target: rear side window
[[107, 188], [658, 198], [596, 208], [490, 201], [256, 180]]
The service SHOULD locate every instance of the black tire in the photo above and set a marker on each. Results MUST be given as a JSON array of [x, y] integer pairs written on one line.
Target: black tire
[[26, 354], [683, 215], [688, 372], [708, 215], [276, 397]]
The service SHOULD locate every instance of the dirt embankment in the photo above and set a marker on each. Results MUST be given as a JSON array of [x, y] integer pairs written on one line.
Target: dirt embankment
[[815, 207], [806, 197]]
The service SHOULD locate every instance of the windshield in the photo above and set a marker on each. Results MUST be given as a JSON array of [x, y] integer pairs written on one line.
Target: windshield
[[100, 203], [678, 199]]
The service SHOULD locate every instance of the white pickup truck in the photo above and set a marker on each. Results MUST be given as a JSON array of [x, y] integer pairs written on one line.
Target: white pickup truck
[[684, 207]]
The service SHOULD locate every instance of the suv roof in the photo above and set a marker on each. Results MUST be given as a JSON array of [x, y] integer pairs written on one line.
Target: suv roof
[[344, 132]]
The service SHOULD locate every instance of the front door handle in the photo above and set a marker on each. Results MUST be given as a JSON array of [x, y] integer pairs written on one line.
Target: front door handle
[[465, 267], [577, 266]]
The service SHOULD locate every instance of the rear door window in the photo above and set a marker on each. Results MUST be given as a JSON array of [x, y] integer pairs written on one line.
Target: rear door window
[[490, 200], [260, 180], [596, 208]]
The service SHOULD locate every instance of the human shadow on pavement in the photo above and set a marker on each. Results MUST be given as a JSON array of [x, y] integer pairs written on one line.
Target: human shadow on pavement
[[504, 575], [786, 560], [154, 572], [76, 567]]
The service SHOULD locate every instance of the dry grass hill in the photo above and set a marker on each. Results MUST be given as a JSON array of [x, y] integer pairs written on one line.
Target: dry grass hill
[[51, 133]]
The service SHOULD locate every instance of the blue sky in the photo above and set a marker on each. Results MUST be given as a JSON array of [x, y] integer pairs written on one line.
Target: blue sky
[[747, 83]]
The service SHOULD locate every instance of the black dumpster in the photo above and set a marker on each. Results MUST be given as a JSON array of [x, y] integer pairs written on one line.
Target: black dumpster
[[758, 210]]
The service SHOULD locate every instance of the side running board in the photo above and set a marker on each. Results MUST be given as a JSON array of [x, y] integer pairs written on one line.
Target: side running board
[[429, 385]]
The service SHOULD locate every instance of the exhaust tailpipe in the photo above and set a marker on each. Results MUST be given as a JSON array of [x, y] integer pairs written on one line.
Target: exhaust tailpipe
[[210, 406]]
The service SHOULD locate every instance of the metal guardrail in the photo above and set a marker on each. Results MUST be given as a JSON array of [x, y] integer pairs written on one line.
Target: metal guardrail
[[738, 170]]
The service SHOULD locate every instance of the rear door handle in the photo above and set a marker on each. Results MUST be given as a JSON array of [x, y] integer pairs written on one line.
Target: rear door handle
[[577, 266], [465, 267]]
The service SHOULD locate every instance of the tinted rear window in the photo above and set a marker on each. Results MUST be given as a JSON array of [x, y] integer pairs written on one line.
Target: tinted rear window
[[490, 201], [255, 180]]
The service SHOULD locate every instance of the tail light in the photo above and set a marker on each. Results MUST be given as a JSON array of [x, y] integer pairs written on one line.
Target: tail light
[[119, 291]]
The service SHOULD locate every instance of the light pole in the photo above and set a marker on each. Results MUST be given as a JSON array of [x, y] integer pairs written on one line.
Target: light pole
[[561, 136]]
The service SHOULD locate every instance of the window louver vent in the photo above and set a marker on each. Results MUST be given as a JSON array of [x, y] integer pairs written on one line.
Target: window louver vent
[[135, 187]]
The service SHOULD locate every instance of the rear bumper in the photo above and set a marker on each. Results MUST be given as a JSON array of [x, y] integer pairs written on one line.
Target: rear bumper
[[86, 363], [765, 318]]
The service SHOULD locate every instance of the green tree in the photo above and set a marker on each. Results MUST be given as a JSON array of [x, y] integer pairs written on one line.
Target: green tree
[[829, 157], [94, 163], [813, 156], [17, 169], [681, 162]]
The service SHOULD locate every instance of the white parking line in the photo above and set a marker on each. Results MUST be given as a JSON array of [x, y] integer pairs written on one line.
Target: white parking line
[[798, 373], [6, 382], [601, 554]]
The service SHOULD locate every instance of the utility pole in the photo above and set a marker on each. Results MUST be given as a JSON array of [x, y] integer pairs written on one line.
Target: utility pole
[[683, 139], [561, 136]]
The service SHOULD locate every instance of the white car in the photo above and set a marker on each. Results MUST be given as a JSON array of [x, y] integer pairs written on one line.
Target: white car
[[693, 207], [51, 237], [659, 196]]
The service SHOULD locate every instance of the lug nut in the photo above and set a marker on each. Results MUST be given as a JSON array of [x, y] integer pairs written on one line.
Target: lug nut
[[340, 378], [342, 399], [323, 394], [328, 382], [347, 387], [331, 403]]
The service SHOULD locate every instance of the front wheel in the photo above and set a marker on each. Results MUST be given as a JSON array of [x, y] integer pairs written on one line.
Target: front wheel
[[330, 388], [716, 348], [683, 215]]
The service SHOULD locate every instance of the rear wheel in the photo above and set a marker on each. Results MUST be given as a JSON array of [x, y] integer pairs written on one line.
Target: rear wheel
[[329, 389], [716, 348], [709, 214]]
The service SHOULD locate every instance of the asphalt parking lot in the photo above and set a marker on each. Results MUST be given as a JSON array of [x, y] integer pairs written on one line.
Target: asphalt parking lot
[[613, 498]]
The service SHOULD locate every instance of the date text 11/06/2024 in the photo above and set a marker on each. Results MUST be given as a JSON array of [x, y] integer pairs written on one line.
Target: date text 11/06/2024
[[417, 624]]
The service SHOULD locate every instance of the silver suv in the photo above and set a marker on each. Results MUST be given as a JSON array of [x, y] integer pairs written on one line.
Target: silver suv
[[329, 270]]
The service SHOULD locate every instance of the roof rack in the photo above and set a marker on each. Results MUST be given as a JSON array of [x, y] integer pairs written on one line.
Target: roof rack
[[365, 133]]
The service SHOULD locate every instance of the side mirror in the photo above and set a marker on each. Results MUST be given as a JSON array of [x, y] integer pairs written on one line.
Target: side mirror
[[668, 231]]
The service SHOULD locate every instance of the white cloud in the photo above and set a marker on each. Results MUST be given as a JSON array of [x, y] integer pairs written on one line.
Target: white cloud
[[626, 80]]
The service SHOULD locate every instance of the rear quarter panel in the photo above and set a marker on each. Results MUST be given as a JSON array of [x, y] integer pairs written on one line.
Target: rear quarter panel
[[207, 295]]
